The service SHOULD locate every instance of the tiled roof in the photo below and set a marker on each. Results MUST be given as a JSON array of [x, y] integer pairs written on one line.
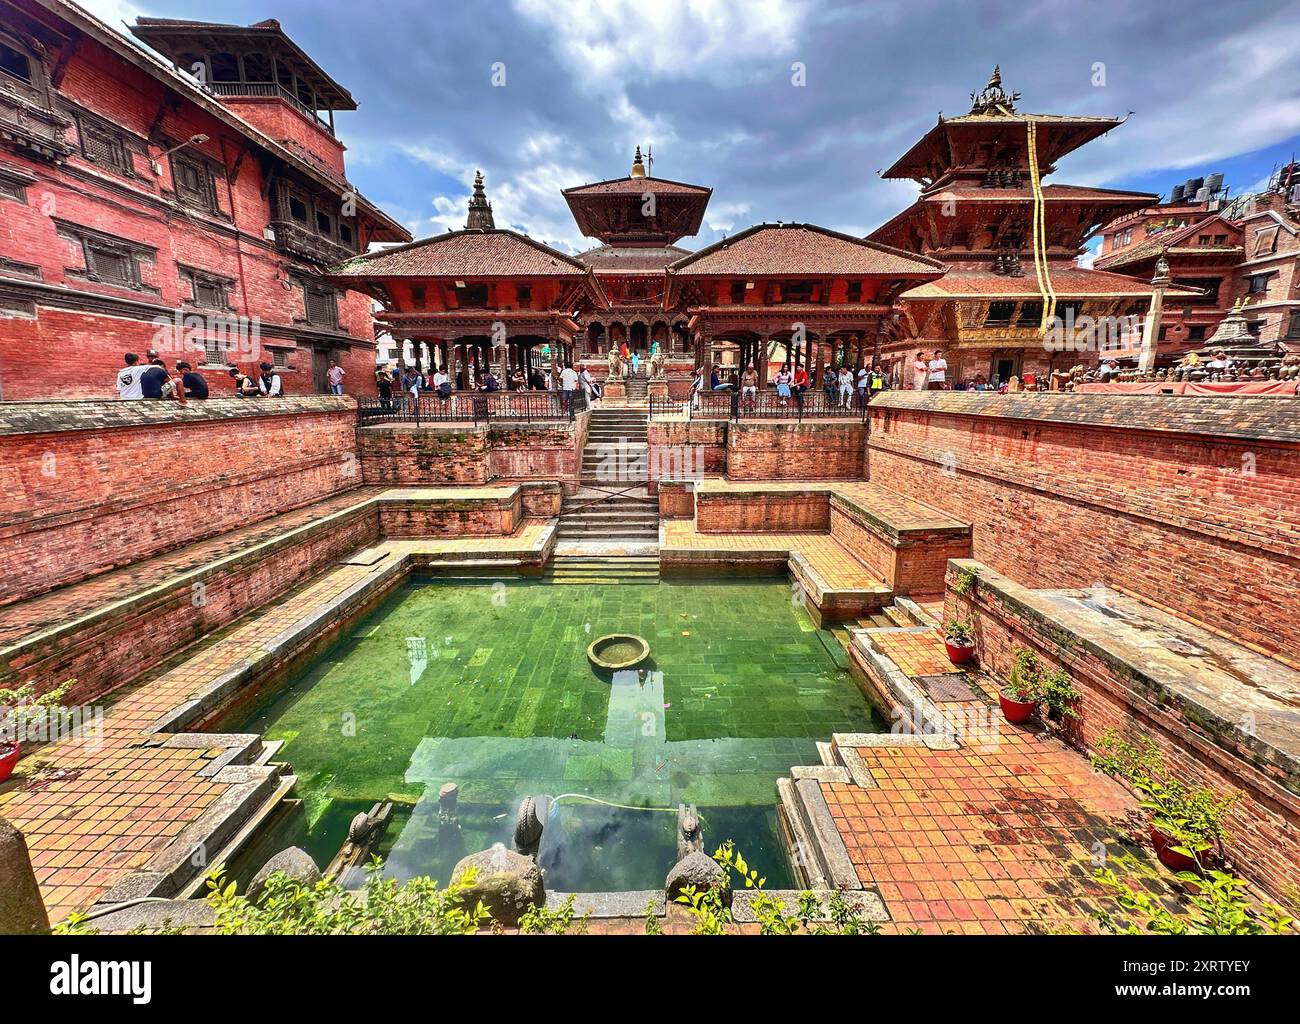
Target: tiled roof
[[1067, 283], [1164, 241], [631, 257], [479, 253], [636, 186], [794, 250]]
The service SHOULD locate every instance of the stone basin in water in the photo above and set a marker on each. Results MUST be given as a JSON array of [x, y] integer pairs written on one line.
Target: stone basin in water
[[618, 651]]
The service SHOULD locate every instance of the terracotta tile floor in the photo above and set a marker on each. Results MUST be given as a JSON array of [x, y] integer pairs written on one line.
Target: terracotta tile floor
[[989, 838], [94, 812]]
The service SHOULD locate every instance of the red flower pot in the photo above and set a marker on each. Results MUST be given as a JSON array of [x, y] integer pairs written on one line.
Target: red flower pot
[[1017, 711], [958, 654], [1168, 856], [9, 754]]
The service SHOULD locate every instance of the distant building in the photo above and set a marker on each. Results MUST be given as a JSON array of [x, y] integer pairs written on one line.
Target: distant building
[[145, 208], [1245, 249]]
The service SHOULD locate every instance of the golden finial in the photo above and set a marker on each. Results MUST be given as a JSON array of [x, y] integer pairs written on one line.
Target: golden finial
[[638, 167]]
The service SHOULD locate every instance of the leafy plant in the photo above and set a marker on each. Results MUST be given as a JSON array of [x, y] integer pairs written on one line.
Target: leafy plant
[[652, 925], [1025, 683], [20, 707], [382, 907], [540, 921], [1219, 904], [1192, 817], [960, 632], [965, 581], [1059, 694]]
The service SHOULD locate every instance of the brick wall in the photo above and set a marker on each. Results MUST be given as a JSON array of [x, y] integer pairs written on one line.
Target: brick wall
[[467, 518], [784, 511], [910, 561], [91, 485], [680, 449], [1264, 825], [408, 455], [1190, 503], [795, 451]]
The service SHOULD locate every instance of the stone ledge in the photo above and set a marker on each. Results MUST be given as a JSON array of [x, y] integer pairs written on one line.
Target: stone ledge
[[1259, 419], [108, 414]]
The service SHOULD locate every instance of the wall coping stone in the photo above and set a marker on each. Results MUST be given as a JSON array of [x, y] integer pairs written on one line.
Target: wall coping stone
[[17, 418], [1243, 417]]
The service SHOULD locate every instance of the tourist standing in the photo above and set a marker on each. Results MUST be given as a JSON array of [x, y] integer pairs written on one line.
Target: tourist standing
[[384, 383], [864, 377], [568, 385], [128, 378], [920, 372], [937, 375], [192, 383], [334, 376]]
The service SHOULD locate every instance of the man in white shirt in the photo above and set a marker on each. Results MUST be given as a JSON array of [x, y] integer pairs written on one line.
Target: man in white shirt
[[128, 378], [938, 372], [568, 384], [269, 382]]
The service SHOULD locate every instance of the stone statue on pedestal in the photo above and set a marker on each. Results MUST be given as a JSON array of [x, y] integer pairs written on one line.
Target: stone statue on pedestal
[[656, 363]]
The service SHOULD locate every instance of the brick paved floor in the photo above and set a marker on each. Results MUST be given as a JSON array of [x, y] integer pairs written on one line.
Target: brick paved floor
[[93, 812], [988, 838]]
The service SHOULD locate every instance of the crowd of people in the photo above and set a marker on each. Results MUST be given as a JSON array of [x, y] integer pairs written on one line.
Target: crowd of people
[[842, 387], [398, 384], [151, 379]]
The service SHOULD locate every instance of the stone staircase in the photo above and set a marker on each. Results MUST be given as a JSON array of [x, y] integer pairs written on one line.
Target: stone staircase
[[636, 386], [616, 454], [599, 568], [633, 518]]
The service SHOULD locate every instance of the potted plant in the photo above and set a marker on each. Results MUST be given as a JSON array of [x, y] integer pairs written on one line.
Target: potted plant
[[18, 709], [1019, 698], [959, 638], [1186, 823]]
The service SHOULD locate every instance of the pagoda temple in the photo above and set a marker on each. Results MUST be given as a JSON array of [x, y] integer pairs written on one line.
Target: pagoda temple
[[1012, 245]]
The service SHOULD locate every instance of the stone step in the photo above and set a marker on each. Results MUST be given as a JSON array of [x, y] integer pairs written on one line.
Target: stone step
[[897, 616]]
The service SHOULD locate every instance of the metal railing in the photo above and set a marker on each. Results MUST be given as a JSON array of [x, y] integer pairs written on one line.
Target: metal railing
[[473, 407], [764, 405]]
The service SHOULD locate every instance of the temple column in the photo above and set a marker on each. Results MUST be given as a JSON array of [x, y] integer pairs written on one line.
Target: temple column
[[1151, 328]]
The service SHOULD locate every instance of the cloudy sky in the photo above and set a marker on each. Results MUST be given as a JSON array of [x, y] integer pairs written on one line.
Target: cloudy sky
[[711, 84]]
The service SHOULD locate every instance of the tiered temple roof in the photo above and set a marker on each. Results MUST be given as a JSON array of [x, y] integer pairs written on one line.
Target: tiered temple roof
[[615, 211]]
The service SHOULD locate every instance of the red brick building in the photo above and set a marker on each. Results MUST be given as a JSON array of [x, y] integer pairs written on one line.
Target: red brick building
[[1246, 250], [1012, 244], [141, 207]]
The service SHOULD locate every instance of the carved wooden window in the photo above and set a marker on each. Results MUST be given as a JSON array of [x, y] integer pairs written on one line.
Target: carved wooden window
[[324, 224], [280, 358], [112, 266], [1196, 332], [208, 291], [345, 234], [322, 305], [1293, 331], [1069, 312], [737, 292], [297, 209], [194, 183], [475, 295], [1266, 240], [524, 294], [999, 314], [213, 352], [13, 185], [16, 64], [101, 145], [418, 297], [1031, 314], [855, 291]]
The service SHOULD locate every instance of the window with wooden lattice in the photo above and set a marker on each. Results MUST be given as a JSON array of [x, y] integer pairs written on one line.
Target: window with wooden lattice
[[194, 183], [113, 266], [321, 304], [101, 145]]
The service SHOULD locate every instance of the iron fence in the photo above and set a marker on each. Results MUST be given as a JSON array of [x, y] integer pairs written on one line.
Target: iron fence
[[473, 407], [764, 404]]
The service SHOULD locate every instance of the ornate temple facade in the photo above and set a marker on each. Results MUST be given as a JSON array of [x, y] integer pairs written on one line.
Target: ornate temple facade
[[1012, 245]]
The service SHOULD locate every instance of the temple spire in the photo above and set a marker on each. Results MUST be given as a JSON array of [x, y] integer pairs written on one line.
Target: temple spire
[[480, 210], [994, 99], [638, 166]]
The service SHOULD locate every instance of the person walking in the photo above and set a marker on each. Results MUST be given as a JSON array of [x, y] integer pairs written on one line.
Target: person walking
[[334, 376], [864, 377], [128, 378]]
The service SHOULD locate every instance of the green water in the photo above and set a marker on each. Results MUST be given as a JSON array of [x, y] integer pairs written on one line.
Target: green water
[[487, 684]]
